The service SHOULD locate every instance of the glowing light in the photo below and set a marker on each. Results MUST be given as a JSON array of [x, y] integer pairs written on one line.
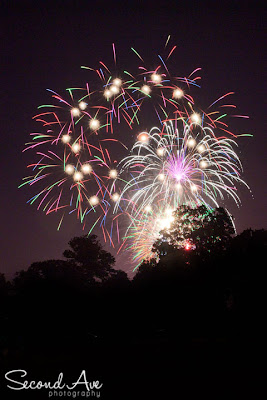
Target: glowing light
[[145, 89], [160, 151], [179, 176], [203, 164], [66, 138], [148, 208], [156, 78], [191, 142], [194, 188], [161, 177], [169, 211], [94, 200], [107, 93], [94, 124], [117, 82], [165, 223], [76, 148], [75, 112], [178, 93], [113, 173], [82, 105], [195, 118], [114, 89], [115, 196], [143, 137], [201, 148], [187, 246], [78, 176], [86, 169], [69, 169]]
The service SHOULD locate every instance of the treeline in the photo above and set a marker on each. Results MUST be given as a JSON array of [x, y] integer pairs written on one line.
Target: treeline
[[184, 285], [185, 294]]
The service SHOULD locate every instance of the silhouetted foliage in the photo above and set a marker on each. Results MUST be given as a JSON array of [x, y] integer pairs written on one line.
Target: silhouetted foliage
[[3, 285], [87, 264], [94, 262], [214, 233], [54, 274], [81, 305], [202, 229]]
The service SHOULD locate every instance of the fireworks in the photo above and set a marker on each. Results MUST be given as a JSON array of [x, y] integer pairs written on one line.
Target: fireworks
[[173, 167], [81, 162], [145, 231], [69, 172], [181, 166]]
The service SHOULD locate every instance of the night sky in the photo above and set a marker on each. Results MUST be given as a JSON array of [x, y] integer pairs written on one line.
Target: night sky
[[43, 46]]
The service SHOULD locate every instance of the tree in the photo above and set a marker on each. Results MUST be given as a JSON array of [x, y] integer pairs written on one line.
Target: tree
[[87, 264], [89, 256], [3, 285], [48, 275], [201, 229]]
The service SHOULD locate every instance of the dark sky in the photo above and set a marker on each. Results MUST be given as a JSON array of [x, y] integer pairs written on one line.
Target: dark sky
[[43, 45]]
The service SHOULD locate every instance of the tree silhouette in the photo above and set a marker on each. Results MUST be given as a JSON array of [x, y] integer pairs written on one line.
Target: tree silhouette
[[87, 264], [201, 229], [3, 285], [48, 275], [95, 263], [71, 308]]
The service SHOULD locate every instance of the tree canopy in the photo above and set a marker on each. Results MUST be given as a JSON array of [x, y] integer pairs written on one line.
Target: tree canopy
[[200, 229], [87, 263], [88, 255]]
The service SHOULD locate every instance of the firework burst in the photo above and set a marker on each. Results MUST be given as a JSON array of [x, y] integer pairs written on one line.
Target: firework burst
[[80, 163], [182, 164]]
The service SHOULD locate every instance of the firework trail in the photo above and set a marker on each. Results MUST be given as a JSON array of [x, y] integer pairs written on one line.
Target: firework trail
[[145, 230], [81, 163], [170, 168], [181, 166]]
